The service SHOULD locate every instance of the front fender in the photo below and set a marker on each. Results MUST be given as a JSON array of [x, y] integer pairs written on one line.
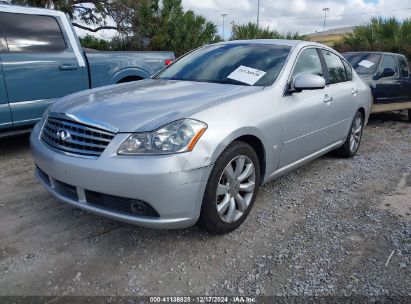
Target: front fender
[[245, 131], [210, 147]]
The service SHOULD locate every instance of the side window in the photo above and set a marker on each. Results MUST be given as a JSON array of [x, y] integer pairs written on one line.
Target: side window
[[388, 62], [335, 67], [404, 68], [308, 63], [348, 70], [31, 33]]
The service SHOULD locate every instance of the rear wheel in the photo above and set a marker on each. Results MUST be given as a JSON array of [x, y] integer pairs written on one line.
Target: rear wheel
[[352, 143], [231, 189]]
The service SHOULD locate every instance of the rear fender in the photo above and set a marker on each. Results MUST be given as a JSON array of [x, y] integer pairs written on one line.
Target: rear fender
[[129, 72]]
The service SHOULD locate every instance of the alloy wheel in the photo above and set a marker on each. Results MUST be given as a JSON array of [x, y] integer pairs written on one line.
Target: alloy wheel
[[355, 137], [235, 188]]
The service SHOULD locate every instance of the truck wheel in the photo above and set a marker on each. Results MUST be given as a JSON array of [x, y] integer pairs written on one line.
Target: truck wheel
[[130, 79], [231, 189], [352, 143]]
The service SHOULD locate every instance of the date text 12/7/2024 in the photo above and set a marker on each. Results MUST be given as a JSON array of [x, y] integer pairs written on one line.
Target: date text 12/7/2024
[[203, 299]]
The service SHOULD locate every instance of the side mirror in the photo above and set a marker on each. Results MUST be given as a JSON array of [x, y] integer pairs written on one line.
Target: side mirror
[[308, 82], [388, 72]]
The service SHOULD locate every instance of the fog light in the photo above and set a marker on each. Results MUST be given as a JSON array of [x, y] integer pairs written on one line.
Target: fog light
[[142, 209]]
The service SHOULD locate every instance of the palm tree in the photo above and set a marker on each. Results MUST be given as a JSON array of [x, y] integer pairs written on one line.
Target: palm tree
[[192, 31], [379, 34], [252, 31], [165, 26]]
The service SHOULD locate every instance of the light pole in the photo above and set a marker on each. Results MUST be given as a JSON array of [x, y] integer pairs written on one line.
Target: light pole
[[224, 14], [325, 10], [258, 13]]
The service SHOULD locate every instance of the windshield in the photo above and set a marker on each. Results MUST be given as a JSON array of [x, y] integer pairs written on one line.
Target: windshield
[[239, 64], [363, 63]]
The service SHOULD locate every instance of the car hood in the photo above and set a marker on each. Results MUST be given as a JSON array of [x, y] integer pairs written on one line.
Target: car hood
[[147, 104]]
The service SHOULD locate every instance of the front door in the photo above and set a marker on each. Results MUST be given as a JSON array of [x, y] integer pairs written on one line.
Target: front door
[[40, 65], [304, 125], [342, 89], [388, 89]]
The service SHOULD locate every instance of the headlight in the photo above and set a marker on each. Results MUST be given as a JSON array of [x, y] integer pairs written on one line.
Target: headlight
[[176, 137]]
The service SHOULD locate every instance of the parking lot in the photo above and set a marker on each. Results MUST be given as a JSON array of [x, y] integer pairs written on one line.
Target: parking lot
[[333, 227]]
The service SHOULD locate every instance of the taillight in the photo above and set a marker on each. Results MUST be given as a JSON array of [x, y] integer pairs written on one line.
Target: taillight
[[168, 61]]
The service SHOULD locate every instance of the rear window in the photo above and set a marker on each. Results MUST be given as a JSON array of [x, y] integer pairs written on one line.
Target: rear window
[[363, 63], [31, 33]]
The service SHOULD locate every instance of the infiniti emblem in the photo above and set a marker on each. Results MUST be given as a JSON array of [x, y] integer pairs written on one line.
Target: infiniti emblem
[[63, 135]]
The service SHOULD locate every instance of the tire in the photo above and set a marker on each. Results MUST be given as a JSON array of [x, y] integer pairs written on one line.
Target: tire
[[129, 79], [226, 211], [353, 140], [409, 115]]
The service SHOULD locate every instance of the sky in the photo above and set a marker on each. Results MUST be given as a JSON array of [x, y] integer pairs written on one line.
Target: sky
[[302, 16]]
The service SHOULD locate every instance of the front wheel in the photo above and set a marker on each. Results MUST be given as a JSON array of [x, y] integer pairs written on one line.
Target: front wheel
[[352, 143], [231, 189]]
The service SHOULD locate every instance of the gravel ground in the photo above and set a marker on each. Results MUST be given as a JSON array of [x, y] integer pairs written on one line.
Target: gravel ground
[[326, 229]]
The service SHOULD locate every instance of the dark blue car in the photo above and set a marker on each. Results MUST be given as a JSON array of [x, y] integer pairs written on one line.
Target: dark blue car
[[388, 75]]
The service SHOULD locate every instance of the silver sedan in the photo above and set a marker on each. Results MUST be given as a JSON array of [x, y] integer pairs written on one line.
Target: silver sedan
[[195, 142]]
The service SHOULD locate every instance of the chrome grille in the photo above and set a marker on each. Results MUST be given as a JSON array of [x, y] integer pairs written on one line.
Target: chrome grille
[[80, 138]]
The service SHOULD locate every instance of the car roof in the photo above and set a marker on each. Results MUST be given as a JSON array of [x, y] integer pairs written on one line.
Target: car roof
[[374, 52], [284, 42], [293, 44], [29, 10]]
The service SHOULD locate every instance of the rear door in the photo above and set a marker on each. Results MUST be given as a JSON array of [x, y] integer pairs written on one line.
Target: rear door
[[5, 115], [343, 94], [40, 66], [406, 78], [389, 89]]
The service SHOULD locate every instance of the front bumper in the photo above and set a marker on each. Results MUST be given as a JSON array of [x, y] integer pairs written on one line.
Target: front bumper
[[160, 181]]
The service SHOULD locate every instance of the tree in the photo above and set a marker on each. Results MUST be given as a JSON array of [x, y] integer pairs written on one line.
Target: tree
[[252, 31], [163, 25], [379, 34], [92, 15], [94, 43], [141, 24]]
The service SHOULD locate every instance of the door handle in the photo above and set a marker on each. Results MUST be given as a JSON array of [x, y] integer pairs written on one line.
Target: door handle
[[68, 67], [354, 91], [328, 98]]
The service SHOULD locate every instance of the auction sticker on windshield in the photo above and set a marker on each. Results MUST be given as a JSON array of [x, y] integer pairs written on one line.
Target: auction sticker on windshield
[[365, 63], [246, 75]]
